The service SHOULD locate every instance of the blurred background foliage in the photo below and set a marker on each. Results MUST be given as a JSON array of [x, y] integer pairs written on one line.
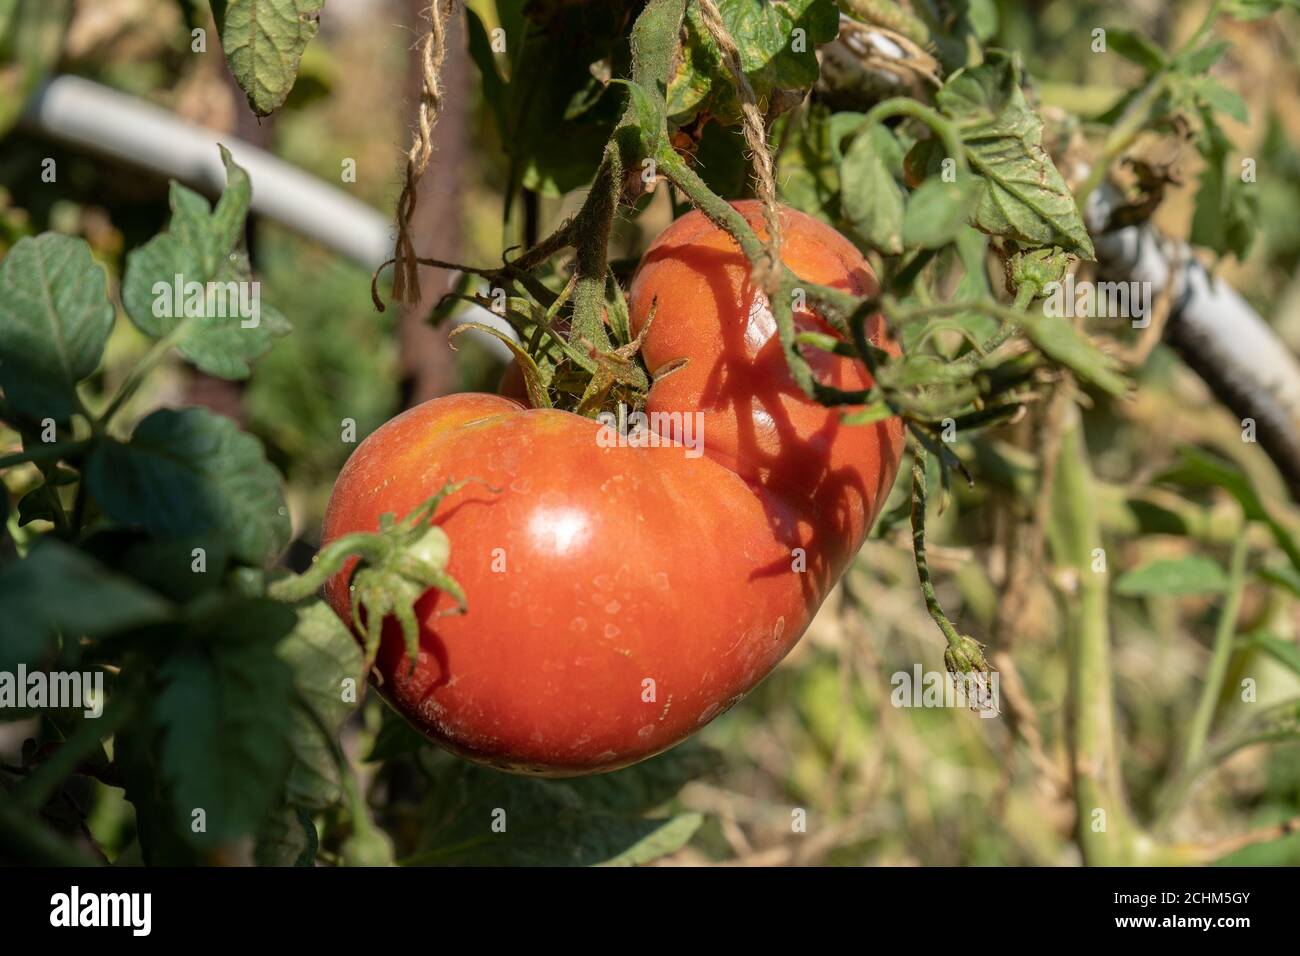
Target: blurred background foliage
[[879, 784]]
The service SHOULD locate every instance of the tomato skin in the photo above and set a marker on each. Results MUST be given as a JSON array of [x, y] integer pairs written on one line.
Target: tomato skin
[[512, 384], [612, 577], [757, 420], [619, 598]]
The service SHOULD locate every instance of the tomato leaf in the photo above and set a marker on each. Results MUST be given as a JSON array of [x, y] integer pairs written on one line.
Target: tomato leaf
[[546, 823], [651, 783], [136, 759], [494, 88], [1284, 851], [1226, 210], [776, 40], [1285, 652], [649, 115], [225, 750], [167, 566], [31, 38], [809, 166], [1059, 340], [322, 656], [665, 837], [1283, 577], [871, 197], [1136, 48], [54, 320], [1189, 575], [34, 595], [287, 838], [1202, 59], [1256, 9], [536, 379], [1024, 196], [1197, 468], [551, 154], [193, 472], [1220, 99], [264, 41], [194, 283], [937, 212]]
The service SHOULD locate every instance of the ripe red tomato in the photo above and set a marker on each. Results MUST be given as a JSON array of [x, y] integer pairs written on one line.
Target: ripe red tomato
[[620, 598]]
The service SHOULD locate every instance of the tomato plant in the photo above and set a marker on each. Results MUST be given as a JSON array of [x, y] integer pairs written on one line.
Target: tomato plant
[[604, 621], [615, 427]]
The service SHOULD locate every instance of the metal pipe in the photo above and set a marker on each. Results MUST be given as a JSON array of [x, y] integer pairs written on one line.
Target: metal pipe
[[104, 122]]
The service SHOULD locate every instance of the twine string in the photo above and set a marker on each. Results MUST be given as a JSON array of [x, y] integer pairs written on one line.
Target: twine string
[[432, 51], [755, 133]]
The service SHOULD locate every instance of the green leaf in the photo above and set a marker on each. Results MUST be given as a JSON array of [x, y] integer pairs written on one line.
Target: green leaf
[[494, 88], [163, 840], [777, 42], [649, 115], [322, 655], [1024, 196], [551, 154], [877, 411], [1221, 99], [263, 41], [667, 837], [547, 823], [213, 234], [34, 596], [170, 567], [31, 38], [1226, 208], [1256, 9], [54, 320], [192, 472], [1284, 577], [1189, 575], [871, 198], [194, 283], [151, 271], [1197, 468], [37, 506], [1285, 652], [1284, 851], [1200, 60], [396, 738], [1135, 47], [649, 784], [287, 838], [222, 710], [1059, 340], [720, 160], [536, 379], [808, 166], [937, 212]]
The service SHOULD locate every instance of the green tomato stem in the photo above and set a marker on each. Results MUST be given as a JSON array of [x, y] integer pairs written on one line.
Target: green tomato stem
[[932, 605], [1224, 633]]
